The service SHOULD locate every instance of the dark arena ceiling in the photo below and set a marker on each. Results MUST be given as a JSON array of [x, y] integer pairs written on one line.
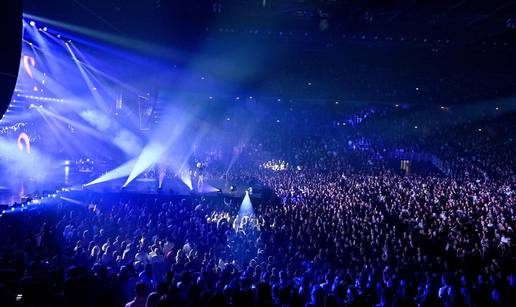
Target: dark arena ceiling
[[422, 51]]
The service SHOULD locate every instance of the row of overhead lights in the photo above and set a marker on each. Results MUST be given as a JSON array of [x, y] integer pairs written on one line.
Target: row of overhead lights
[[346, 36], [45, 29], [40, 98], [32, 23]]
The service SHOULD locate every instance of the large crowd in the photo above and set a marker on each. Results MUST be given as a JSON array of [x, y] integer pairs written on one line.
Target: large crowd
[[343, 228]]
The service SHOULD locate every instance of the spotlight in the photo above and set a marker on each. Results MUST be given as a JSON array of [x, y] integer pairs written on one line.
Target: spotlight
[[45, 29], [32, 23], [232, 188]]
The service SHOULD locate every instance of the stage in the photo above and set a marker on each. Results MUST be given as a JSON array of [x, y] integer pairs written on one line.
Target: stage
[[70, 178]]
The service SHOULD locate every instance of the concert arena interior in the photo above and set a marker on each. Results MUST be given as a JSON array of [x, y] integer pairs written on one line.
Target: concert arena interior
[[257, 153]]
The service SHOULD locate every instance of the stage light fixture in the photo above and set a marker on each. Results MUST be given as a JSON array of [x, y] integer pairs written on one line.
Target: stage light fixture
[[32, 23]]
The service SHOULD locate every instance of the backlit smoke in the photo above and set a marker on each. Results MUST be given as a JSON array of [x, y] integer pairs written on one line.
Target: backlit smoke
[[22, 165], [124, 139]]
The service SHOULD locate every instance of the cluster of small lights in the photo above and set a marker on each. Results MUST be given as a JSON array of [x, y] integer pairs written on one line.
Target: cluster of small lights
[[33, 106], [40, 98], [275, 165]]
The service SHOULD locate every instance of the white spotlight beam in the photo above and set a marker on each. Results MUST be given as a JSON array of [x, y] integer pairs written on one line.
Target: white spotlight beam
[[246, 208], [154, 151], [89, 83], [187, 180], [119, 172], [150, 155]]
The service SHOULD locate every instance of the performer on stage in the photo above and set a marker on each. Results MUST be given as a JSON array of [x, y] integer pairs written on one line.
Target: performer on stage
[[200, 175]]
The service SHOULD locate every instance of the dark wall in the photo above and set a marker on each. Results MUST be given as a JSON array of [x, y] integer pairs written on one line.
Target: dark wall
[[10, 50]]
